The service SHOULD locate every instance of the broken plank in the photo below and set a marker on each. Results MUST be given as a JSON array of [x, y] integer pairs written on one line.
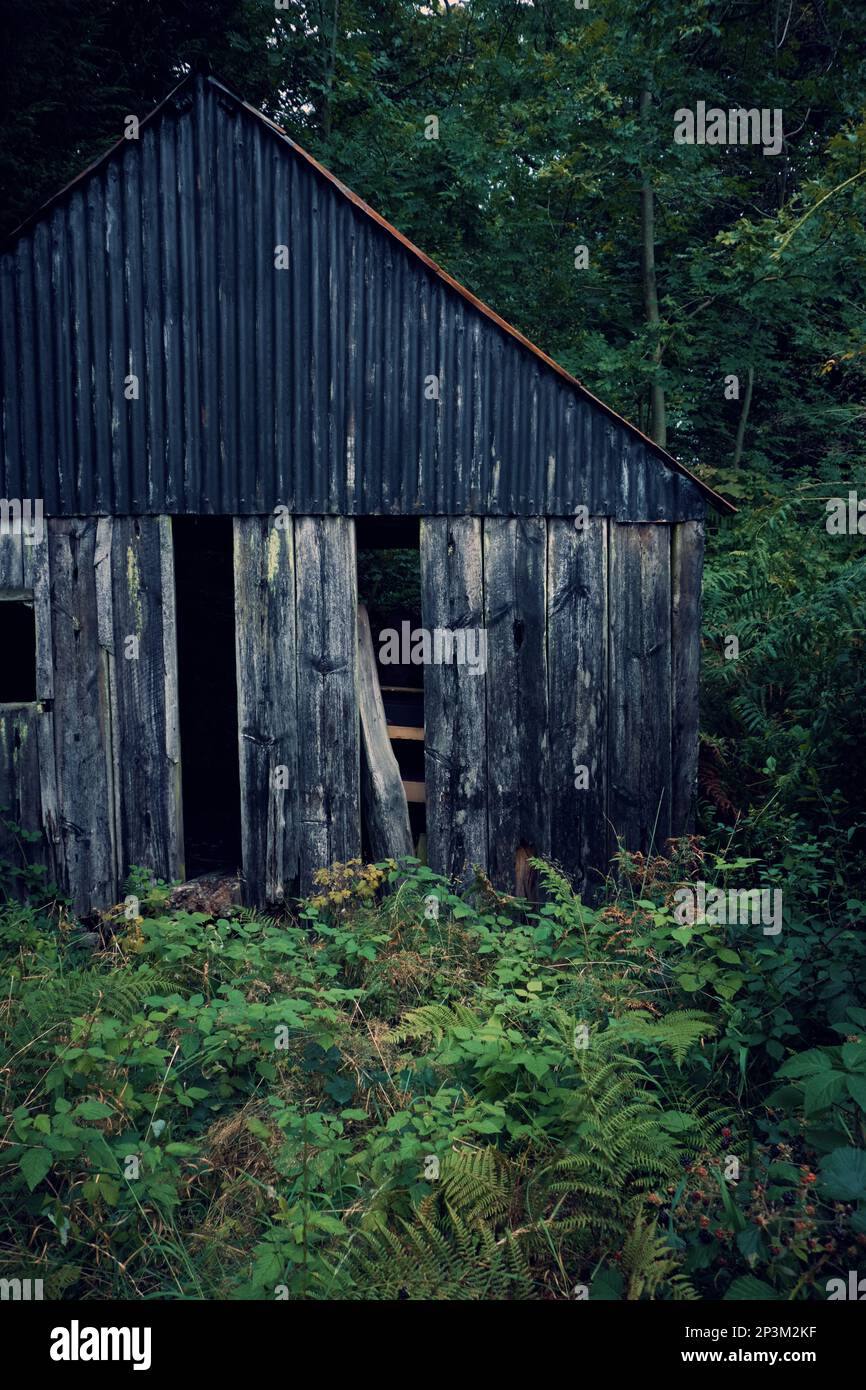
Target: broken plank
[[385, 810]]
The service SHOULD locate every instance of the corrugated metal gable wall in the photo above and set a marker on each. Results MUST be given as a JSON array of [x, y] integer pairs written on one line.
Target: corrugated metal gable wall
[[261, 387]]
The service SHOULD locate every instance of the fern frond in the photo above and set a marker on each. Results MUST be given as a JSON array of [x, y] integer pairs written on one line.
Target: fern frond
[[649, 1264], [678, 1031], [436, 1256], [478, 1184], [433, 1021]]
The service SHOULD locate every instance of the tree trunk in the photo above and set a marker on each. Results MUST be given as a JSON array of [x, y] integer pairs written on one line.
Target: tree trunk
[[658, 422], [744, 416]]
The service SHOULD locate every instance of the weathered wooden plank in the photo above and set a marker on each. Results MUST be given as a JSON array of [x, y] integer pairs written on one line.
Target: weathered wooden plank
[[518, 771], [104, 582], [386, 813], [81, 718], [52, 846], [577, 609], [687, 558], [640, 686], [405, 733], [625, 710], [11, 558], [171, 705], [455, 700], [144, 697], [266, 653], [20, 800], [329, 752], [37, 579]]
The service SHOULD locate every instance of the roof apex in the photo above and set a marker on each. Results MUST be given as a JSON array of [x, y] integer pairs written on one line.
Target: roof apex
[[178, 98]]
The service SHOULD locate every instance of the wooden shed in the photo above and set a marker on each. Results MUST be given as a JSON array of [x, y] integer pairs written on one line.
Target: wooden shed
[[220, 374]]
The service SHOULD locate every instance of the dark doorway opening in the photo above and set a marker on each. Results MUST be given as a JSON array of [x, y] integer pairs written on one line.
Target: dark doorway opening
[[389, 583], [18, 645], [207, 681]]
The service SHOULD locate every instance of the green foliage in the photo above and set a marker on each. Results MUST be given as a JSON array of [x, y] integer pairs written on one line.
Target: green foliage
[[22, 877], [503, 1101], [830, 1079], [437, 1256], [389, 582], [784, 712]]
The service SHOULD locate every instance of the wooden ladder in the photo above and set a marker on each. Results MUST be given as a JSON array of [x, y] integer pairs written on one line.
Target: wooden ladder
[[386, 793], [407, 733]]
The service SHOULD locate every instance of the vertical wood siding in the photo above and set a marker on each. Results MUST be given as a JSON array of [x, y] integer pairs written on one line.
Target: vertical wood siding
[[577, 642], [639, 675], [266, 649], [82, 718], [138, 602], [37, 579], [593, 640], [11, 560], [582, 673], [455, 706], [518, 766], [27, 765], [329, 738], [296, 644], [103, 738], [687, 558]]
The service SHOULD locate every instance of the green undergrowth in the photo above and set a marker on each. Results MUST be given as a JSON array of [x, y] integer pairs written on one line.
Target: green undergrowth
[[397, 1092]]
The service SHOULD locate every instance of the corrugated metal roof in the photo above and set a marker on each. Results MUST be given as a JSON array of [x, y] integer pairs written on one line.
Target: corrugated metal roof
[[259, 386]]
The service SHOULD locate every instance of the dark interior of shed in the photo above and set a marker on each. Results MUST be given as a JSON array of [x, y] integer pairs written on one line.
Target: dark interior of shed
[[18, 645], [389, 583], [207, 683]]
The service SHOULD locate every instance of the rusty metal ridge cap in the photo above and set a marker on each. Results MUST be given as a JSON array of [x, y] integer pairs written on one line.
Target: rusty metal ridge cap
[[720, 503]]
